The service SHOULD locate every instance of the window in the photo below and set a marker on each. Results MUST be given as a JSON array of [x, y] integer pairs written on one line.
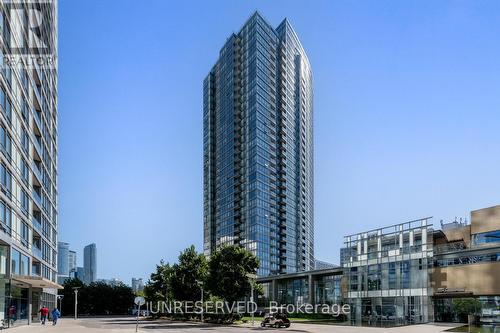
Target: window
[[487, 237], [15, 261], [25, 110], [5, 142], [24, 234], [25, 140], [5, 216], [392, 276], [405, 274], [5, 180], [25, 201], [19, 263], [4, 100], [24, 267], [25, 171]]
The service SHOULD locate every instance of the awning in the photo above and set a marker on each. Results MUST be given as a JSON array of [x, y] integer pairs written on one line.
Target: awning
[[36, 281]]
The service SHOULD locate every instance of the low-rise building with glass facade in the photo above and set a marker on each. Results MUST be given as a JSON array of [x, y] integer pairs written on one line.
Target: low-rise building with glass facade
[[406, 274]]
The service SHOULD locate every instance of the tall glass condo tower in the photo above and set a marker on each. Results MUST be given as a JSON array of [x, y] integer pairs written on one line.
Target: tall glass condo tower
[[28, 159], [258, 148]]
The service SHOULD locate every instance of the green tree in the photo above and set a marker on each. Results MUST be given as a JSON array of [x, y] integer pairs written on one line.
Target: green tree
[[159, 286], [68, 293], [97, 298], [227, 273], [189, 275], [463, 307]]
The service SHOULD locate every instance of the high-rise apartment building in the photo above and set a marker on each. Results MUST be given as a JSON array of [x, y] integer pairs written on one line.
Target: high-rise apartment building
[[79, 274], [28, 158], [63, 258], [72, 261], [137, 284], [90, 263], [258, 148], [62, 262]]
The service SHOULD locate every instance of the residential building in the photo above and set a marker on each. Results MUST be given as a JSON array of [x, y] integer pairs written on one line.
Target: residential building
[[63, 259], [90, 263], [28, 159], [406, 273], [137, 284], [319, 264], [114, 282], [79, 274], [72, 261], [258, 148]]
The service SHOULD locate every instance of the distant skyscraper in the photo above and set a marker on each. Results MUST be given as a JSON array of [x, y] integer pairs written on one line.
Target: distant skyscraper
[[114, 282], [72, 261], [137, 284], [258, 148], [63, 259], [80, 274], [90, 263]]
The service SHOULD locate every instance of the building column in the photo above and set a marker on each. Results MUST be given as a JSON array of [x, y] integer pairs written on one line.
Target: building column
[[274, 290], [311, 289], [30, 305]]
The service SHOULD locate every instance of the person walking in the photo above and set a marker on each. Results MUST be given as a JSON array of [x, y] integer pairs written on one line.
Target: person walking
[[55, 315], [44, 312]]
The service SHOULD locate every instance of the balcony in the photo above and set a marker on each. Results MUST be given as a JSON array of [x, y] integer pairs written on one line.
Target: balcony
[[36, 270], [37, 253], [38, 147], [36, 224], [38, 119], [37, 172], [37, 198]]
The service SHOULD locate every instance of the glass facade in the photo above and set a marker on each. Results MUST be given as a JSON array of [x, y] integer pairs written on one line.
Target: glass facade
[[28, 156], [487, 237], [258, 156], [90, 263], [387, 275]]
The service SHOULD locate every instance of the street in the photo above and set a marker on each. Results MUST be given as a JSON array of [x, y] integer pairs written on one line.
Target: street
[[127, 324]]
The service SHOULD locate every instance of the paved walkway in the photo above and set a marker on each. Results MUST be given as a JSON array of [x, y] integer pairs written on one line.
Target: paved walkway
[[124, 325]]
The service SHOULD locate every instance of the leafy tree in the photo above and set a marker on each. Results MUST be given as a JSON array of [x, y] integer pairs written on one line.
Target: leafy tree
[[159, 285], [462, 307], [227, 272], [97, 298], [68, 301], [189, 274]]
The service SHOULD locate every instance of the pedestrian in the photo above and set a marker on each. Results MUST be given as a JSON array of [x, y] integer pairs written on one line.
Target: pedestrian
[[12, 314], [44, 312], [55, 315]]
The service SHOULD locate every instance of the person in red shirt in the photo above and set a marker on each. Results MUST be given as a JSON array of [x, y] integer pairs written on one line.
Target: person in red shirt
[[44, 312]]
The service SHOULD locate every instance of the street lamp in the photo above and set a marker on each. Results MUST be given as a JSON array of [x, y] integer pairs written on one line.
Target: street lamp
[[200, 283], [60, 298], [251, 277], [75, 289]]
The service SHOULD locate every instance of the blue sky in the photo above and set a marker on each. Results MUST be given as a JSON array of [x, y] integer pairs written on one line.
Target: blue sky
[[407, 117]]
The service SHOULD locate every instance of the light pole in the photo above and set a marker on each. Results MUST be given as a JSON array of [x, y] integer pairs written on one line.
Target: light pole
[[76, 301], [200, 283], [251, 277], [60, 298]]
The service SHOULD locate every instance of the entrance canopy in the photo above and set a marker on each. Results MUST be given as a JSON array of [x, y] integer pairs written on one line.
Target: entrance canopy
[[36, 282]]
